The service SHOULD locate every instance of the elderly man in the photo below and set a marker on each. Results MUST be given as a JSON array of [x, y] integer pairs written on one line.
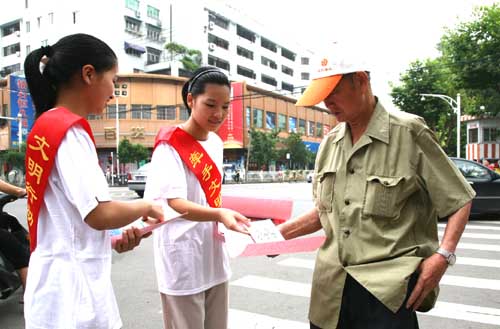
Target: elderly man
[[381, 184]]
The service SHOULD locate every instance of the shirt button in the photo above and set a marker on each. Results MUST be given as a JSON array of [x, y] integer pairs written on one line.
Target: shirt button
[[386, 183], [347, 202], [347, 232], [351, 171]]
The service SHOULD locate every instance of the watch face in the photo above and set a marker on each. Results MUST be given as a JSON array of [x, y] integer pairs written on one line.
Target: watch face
[[452, 259]]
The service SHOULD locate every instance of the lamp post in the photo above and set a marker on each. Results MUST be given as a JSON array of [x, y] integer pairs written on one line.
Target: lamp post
[[19, 130], [117, 124], [455, 105]]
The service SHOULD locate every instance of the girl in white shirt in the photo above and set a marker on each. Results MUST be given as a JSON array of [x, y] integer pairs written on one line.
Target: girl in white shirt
[[192, 264], [69, 279]]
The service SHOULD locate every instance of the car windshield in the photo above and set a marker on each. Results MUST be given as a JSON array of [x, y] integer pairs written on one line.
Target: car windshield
[[144, 168]]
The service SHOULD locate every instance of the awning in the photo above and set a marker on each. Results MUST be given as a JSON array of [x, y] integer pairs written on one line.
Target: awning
[[135, 47]]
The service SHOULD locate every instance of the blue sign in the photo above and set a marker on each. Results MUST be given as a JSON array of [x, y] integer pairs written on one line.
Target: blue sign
[[20, 103], [312, 146]]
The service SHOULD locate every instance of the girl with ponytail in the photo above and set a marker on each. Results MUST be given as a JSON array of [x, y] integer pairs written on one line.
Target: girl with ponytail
[[69, 206]]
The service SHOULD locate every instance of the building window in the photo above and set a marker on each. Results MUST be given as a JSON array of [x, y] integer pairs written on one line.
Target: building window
[[282, 122], [111, 111], [302, 126], [491, 135], [269, 80], [218, 41], [271, 120], [10, 29], [153, 32], [287, 86], [245, 72], [142, 112], [94, 117], [11, 69], [39, 21], [132, 25], [473, 135], [304, 76], [25, 3], [292, 124], [153, 12], [166, 113], [51, 18], [75, 16], [248, 116], [288, 54], [244, 52], [45, 43], [132, 4], [153, 55], [218, 62], [245, 33], [219, 21], [304, 60], [268, 62], [268, 44], [11, 49], [310, 128], [258, 118], [28, 49], [319, 130], [183, 113], [28, 26], [287, 70]]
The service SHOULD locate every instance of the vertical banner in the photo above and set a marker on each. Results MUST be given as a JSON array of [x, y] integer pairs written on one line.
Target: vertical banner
[[20, 103], [231, 131]]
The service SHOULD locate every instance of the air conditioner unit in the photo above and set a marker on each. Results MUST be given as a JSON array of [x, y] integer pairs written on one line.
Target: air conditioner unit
[[211, 25], [163, 39], [158, 23], [138, 14], [18, 53], [18, 33], [211, 46]]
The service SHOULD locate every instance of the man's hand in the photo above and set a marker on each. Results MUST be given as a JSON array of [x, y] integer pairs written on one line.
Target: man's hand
[[430, 271], [130, 239]]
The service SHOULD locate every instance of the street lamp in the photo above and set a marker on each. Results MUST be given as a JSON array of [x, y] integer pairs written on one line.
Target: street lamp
[[19, 130], [117, 124], [455, 105]]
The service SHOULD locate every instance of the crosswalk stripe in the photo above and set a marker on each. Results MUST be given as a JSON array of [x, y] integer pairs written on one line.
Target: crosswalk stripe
[[470, 313], [493, 222], [478, 246], [246, 320], [476, 227], [477, 235], [450, 280], [274, 285]]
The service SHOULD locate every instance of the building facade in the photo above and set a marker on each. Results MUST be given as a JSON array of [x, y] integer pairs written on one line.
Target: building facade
[[139, 30], [483, 137]]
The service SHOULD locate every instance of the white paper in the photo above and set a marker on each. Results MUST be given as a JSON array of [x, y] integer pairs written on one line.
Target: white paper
[[264, 231]]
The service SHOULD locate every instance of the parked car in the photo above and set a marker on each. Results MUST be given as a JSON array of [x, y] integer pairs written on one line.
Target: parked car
[[137, 180], [485, 182]]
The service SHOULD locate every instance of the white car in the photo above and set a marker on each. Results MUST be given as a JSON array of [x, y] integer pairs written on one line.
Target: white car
[[137, 180]]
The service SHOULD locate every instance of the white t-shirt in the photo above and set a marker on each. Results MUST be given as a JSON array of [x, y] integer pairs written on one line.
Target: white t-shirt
[[188, 258], [69, 277]]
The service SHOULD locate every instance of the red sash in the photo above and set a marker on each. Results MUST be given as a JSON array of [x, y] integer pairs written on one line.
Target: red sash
[[198, 161], [42, 145]]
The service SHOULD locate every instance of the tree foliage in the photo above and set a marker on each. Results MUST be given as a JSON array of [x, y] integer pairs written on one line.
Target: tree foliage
[[190, 58], [14, 158], [132, 153], [300, 156], [263, 147]]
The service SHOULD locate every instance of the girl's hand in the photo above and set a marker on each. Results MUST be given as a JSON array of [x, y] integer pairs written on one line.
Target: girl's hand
[[233, 220]]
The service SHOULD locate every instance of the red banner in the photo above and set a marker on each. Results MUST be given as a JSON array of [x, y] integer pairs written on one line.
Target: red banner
[[231, 131]]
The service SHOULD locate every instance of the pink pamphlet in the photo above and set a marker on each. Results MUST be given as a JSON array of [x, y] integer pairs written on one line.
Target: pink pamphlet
[[265, 238]]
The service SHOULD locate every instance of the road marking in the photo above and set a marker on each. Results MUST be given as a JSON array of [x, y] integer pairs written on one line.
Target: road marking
[[247, 320], [477, 235], [494, 222], [274, 285], [478, 246], [450, 280], [463, 312], [476, 227]]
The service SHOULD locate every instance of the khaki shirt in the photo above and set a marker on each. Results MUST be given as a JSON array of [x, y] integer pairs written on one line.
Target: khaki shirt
[[379, 201]]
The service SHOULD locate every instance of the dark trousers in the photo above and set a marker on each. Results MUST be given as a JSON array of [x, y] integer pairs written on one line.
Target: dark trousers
[[361, 310], [15, 252]]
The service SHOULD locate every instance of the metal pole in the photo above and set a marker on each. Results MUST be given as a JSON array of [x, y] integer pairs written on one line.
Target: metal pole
[[248, 156], [112, 171], [458, 125], [117, 141]]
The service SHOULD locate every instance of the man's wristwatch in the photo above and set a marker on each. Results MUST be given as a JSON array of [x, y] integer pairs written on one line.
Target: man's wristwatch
[[449, 256]]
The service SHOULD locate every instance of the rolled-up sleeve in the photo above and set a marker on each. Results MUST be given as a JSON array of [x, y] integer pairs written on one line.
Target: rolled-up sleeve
[[447, 188]]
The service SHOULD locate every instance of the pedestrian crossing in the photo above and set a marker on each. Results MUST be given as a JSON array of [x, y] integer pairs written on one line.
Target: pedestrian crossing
[[470, 290]]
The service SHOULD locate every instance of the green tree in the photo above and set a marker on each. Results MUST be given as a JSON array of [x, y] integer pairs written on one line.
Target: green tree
[[472, 53], [263, 147], [132, 153], [300, 156], [14, 158], [190, 58]]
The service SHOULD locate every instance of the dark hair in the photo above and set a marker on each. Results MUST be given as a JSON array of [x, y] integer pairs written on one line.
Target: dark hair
[[64, 59], [201, 77]]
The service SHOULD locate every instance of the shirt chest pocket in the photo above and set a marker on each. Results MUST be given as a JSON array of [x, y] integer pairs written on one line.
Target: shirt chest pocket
[[325, 191], [381, 196]]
